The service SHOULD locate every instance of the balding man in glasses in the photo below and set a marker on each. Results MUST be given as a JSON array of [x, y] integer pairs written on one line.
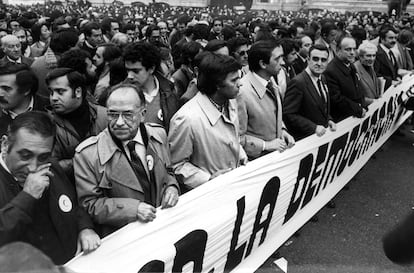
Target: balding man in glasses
[[121, 174]]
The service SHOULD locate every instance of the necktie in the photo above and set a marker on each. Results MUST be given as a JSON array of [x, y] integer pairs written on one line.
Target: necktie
[[393, 59], [321, 90], [141, 173], [275, 95]]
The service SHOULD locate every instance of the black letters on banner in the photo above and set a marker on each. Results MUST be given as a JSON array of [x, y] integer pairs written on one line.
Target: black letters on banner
[[305, 168], [317, 171], [235, 256], [269, 197], [154, 266], [190, 248]]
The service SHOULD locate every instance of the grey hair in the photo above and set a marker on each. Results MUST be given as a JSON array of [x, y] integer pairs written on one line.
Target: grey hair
[[365, 46]]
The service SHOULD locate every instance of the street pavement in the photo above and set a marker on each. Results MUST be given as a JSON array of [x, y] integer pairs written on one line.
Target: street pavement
[[347, 239]]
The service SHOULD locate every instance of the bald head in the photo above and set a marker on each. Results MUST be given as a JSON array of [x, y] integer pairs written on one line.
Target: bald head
[[125, 111], [126, 92], [11, 47]]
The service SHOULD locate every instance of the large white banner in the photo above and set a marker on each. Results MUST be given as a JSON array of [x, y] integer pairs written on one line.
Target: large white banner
[[236, 221]]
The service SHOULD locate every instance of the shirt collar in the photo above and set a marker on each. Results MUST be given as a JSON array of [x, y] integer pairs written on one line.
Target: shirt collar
[[13, 114], [260, 79], [315, 79], [18, 61], [3, 164], [137, 139], [154, 92], [386, 49], [212, 113]]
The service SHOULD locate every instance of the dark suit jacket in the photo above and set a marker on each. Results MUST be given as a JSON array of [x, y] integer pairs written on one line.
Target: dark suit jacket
[[303, 107], [384, 68], [25, 60], [344, 90], [299, 65], [19, 212], [39, 104]]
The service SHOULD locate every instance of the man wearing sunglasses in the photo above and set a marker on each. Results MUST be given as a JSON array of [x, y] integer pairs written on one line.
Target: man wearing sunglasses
[[239, 49], [306, 107], [121, 174]]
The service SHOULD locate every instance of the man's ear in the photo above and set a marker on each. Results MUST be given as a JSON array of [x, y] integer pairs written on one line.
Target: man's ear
[[262, 64], [144, 111], [151, 70], [78, 92], [4, 144]]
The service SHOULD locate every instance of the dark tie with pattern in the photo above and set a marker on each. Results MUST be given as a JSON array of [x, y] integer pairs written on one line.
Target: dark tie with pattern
[[140, 172]]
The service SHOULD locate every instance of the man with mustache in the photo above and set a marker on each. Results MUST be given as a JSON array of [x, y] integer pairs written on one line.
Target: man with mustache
[[18, 87], [37, 203], [76, 119], [386, 64]]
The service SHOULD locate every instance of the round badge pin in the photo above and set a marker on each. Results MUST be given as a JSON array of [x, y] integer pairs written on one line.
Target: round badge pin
[[160, 116], [64, 203], [150, 162]]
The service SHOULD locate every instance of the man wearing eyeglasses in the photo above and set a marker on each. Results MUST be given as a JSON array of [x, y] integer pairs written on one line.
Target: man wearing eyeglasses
[[121, 174], [76, 119], [306, 107]]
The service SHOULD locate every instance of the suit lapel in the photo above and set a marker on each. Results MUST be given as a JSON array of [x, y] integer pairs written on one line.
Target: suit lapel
[[385, 59], [314, 93], [365, 76]]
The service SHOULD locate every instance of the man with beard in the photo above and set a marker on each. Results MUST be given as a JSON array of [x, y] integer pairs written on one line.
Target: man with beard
[[141, 62], [12, 49], [105, 53], [18, 87], [260, 108], [76, 119], [81, 61]]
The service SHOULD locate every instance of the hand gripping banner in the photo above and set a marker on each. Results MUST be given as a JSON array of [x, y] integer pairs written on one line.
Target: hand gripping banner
[[236, 221]]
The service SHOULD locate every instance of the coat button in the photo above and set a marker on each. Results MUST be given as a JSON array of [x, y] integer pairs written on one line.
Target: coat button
[[110, 184]]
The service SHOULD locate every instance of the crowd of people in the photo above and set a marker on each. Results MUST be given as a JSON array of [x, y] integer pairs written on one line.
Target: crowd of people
[[108, 113]]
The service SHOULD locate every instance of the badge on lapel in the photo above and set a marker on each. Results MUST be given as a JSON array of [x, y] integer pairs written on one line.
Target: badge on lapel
[[150, 162], [65, 204], [160, 116]]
